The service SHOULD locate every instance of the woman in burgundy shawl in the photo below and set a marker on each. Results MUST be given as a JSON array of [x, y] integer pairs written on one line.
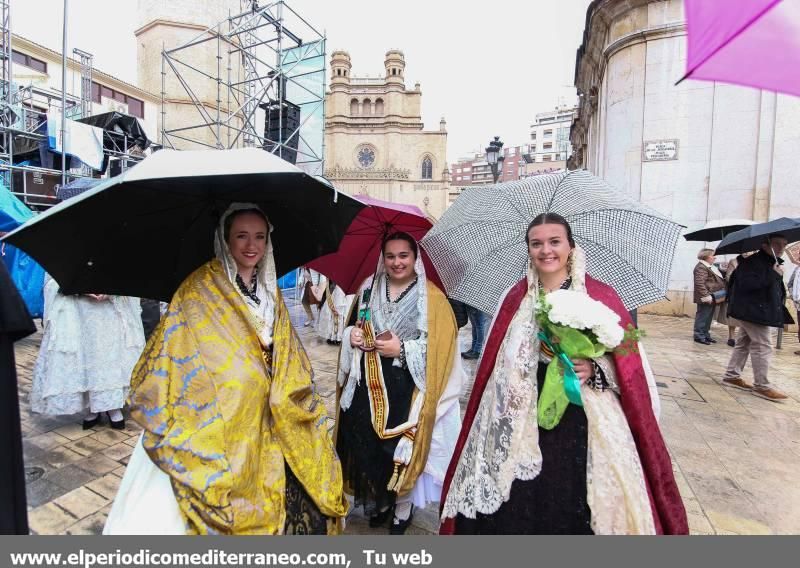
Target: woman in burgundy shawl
[[603, 469]]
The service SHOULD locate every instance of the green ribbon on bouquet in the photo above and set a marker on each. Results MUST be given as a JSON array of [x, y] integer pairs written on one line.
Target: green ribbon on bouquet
[[561, 384]]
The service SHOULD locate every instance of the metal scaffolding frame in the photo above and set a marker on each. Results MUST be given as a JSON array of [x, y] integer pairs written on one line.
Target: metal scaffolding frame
[[268, 59], [23, 116], [6, 112], [86, 81]]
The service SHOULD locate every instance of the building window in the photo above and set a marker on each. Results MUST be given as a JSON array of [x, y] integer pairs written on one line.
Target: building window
[[135, 106], [379, 107], [547, 158], [547, 133], [354, 107], [365, 156], [28, 61], [427, 168], [547, 146], [466, 178], [366, 107], [533, 136]]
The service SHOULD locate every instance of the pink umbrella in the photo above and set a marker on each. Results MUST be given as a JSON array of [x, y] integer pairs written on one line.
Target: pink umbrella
[[755, 43], [357, 257]]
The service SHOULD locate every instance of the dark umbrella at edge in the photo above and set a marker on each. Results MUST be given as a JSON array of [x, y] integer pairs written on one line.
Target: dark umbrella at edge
[[750, 238], [712, 234]]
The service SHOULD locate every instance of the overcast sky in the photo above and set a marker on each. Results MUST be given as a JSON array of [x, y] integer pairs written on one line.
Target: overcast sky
[[488, 68]]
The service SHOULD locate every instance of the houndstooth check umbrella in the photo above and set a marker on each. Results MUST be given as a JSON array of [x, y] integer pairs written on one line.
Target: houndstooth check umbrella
[[478, 246]]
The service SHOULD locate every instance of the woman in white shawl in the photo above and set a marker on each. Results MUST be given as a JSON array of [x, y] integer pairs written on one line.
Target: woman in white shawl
[[399, 380], [332, 314], [91, 343]]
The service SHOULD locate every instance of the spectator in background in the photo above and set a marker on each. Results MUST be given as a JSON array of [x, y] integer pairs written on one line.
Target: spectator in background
[[708, 281], [333, 313], [90, 345], [756, 302], [151, 316], [794, 293], [460, 311], [480, 322], [313, 286], [722, 315]]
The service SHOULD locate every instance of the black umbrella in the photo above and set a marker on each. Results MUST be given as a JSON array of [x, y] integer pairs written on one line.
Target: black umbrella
[[717, 230], [143, 232], [750, 238]]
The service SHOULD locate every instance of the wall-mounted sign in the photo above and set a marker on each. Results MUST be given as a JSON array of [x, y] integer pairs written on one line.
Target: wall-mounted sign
[[659, 150]]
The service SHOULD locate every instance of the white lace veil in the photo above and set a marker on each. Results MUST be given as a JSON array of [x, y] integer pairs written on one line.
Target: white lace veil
[[266, 276]]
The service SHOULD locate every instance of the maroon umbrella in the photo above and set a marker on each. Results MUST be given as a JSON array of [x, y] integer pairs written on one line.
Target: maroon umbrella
[[358, 253]]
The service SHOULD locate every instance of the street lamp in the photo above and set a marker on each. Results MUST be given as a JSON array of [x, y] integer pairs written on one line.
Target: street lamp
[[494, 155]]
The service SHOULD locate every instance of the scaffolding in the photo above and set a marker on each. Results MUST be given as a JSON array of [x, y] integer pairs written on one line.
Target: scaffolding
[[6, 113], [86, 81], [265, 87], [23, 126]]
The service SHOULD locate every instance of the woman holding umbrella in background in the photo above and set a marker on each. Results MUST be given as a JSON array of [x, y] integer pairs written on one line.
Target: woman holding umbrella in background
[[399, 380], [234, 437], [527, 465]]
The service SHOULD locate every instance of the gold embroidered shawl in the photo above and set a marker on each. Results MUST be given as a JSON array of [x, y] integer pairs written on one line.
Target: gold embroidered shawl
[[442, 343], [221, 424]]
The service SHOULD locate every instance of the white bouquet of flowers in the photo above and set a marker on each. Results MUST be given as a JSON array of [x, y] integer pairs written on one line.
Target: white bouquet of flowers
[[579, 311], [573, 326]]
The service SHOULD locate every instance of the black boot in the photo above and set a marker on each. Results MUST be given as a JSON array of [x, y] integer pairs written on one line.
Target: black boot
[[381, 518], [399, 527]]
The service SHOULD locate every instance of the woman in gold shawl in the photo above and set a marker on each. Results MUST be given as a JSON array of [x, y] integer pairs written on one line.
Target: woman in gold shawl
[[235, 439]]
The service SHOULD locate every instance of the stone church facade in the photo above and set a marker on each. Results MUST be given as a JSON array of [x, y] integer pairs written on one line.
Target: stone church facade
[[375, 142]]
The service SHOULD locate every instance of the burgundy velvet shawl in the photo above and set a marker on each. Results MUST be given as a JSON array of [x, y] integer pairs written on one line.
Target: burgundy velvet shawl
[[665, 500]]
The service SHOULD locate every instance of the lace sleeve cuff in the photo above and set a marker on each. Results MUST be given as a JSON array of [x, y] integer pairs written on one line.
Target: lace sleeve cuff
[[414, 356], [604, 377]]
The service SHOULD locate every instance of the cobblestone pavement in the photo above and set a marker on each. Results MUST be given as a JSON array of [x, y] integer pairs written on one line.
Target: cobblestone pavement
[[735, 456]]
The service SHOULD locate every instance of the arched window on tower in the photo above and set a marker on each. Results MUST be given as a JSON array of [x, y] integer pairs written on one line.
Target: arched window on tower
[[367, 107], [427, 168], [353, 107], [379, 107]]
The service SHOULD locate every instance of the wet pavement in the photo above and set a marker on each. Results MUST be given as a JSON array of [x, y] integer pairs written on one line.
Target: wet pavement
[[735, 456]]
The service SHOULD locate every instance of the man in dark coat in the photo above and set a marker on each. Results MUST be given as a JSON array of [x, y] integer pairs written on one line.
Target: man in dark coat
[[708, 281], [756, 302]]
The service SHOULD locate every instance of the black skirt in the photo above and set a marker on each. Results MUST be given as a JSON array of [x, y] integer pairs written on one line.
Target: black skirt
[[302, 514], [555, 501], [368, 461]]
